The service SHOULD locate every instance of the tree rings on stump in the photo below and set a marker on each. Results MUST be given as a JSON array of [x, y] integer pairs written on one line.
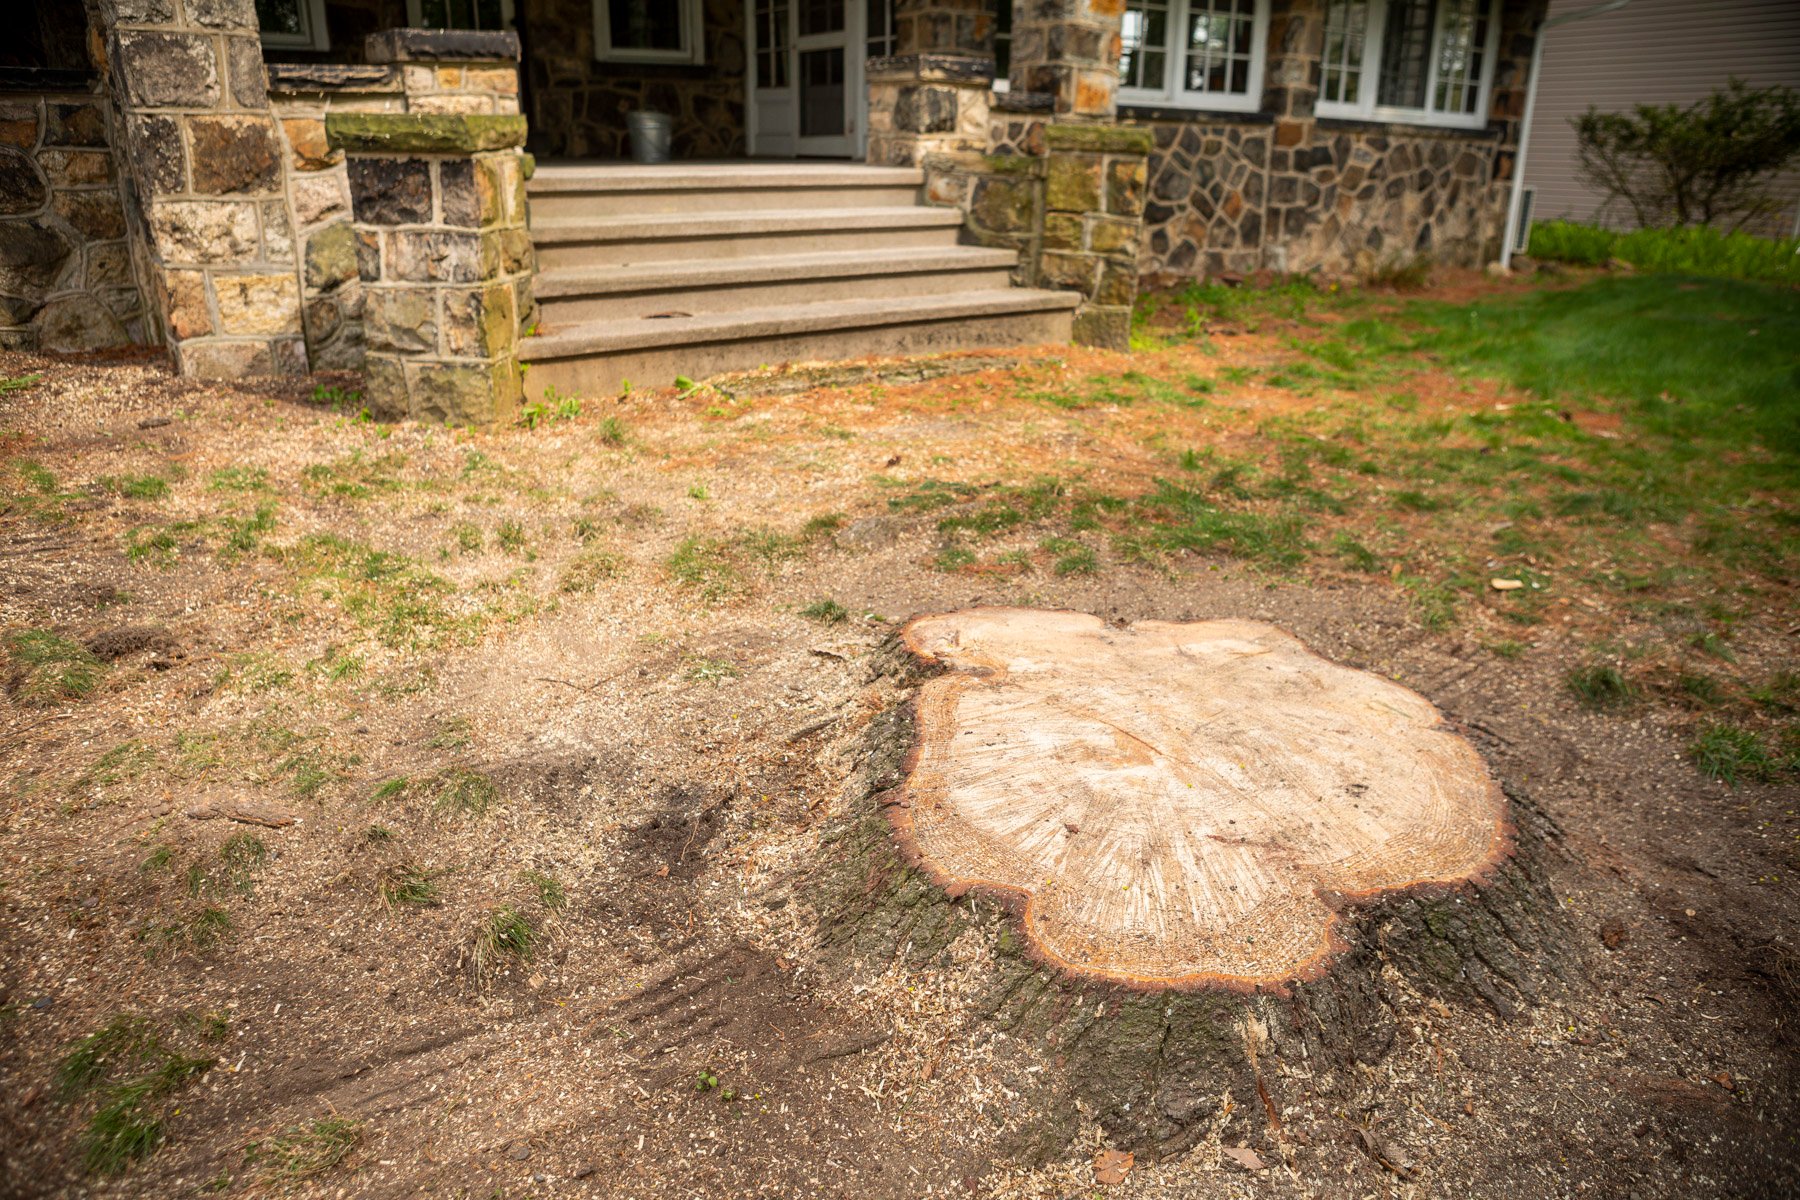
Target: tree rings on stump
[[1216, 851], [1181, 805]]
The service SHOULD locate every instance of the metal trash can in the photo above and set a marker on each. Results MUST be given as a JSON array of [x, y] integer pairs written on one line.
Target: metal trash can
[[650, 133]]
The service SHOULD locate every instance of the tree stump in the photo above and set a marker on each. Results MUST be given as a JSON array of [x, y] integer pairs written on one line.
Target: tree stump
[[1215, 847]]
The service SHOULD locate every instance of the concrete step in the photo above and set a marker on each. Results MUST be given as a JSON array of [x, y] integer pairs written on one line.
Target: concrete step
[[592, 358], [564, 190], [580, 294], [616, 241]]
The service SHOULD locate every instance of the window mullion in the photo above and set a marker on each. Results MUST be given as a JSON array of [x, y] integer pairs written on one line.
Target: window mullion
[[1374, 37], [1175, 53]]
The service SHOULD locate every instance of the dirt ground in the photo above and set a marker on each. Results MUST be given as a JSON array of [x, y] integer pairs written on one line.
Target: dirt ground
[[544, 748]]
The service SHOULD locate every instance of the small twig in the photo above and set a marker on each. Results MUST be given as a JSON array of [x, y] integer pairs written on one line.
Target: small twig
[[812, 727]]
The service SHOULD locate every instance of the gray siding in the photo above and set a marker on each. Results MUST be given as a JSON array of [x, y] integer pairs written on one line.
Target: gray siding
[[1651, 52]]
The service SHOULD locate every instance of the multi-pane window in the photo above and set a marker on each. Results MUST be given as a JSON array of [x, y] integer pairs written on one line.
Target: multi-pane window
[[666, 31], [883, 40], [771, 43], [299, 24], [460, 14], [1346, 25], [1424, 61], [1193, 53]]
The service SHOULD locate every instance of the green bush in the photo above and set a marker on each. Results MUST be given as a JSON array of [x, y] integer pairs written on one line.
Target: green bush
[[1690, 250]]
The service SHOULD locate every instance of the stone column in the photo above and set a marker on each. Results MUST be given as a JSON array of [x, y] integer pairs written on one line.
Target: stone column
[[1093, 219], [445, 259], [932, 96], [199, 151], [1069, 49]]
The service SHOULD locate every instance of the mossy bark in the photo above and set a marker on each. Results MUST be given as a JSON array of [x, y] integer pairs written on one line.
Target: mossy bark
[[1153, 1067]]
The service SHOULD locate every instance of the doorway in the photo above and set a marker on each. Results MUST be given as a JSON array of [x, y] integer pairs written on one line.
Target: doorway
[[807, 94]]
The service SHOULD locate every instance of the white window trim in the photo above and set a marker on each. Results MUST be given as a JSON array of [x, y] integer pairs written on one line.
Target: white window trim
[[415, 20], [1175, 52], [1366, 109], [693, 40], [315, 36]]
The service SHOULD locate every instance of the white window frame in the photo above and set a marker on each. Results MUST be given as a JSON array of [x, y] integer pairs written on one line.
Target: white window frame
[[416, 20], [313, 37], [1366, 109], [693, 40], [1172, 95]]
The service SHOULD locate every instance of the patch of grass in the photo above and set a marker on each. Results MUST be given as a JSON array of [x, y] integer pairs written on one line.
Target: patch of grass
[[587, 570], [1354, 554], [355, 477], [1600, 687], [303, 1151], [243, 856], [403, 605], [705, 565], [1507, 649], [1687, 250], [1732, 754], [238, 479], [822, 525], [549, 891], [954, 558], [511, 536], [555, 406], [135, 487], [709, 670], [1073, 557], [409, 886], [20, 383], [131, 1070], [926, 494], [827, 612], [49, 669], [611, 431], [504, 934], [1184, 518], [391, 790], [457, 792]]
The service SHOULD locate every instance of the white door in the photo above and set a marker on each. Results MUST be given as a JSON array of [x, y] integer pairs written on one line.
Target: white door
[[807, 96]]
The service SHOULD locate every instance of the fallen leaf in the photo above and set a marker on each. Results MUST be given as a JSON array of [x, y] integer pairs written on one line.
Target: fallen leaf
[[536, 981], [1506, 585], [1244, 1157], [1112, 1166], [1723, 1079], [662, 872]]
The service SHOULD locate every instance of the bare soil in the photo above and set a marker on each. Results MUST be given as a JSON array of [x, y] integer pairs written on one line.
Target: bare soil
[[670, 760]]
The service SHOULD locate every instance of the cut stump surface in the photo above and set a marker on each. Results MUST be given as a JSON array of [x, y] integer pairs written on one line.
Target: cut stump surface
[[1181, 805]]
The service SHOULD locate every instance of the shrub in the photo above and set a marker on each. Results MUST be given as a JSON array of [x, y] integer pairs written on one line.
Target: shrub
[[1713, 160]]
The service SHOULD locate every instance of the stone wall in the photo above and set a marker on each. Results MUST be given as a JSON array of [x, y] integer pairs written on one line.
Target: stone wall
[[578, 106], [66, 279], [1287, 191], [205, 194], [318, 184]]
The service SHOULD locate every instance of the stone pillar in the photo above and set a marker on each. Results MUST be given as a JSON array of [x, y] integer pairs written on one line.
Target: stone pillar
[[1094, 179], [198, 146], [1069, 50], [932, 95], [445, 259]]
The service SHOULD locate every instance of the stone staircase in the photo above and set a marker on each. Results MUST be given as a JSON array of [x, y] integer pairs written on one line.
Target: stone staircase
[[646, 273]]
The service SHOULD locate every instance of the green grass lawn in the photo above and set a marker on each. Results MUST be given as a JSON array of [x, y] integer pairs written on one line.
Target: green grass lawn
[[1713, 360]]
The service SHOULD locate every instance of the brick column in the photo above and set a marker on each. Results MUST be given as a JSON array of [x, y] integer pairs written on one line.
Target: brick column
[[1069, 49], [197, 142], [1093, 219], [445, 259]]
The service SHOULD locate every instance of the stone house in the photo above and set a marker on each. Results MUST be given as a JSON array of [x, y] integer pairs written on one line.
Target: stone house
[[434, 191]]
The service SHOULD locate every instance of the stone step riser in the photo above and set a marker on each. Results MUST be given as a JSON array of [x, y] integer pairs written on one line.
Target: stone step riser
[[599, 375], [559, 255], [716, 298], [569, 205]]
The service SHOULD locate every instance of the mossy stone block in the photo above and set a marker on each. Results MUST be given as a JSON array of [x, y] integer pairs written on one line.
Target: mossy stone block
[[1099, 139], [424, 133]]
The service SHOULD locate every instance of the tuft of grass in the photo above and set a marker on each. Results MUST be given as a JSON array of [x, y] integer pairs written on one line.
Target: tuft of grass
[[954, 558], [131, 1069], [706, 566], [391, 789], [408, 885], [586, 570], [1730, 754], [828, 612], [243, 855], [50, 669], [461, 793], [1072, 557], [135, 487], [1354, 554], [504, 934], [549, 891], [302, 1151], [710, 670], [611, 431], [1600, 687]]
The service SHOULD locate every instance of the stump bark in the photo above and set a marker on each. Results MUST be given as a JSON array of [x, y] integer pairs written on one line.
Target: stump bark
[[1196, 848]]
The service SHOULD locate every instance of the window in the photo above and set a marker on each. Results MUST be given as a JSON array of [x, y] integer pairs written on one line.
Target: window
[[771, 43], [1003, 45], [1429, 62], [1194, 53], [648, 31], [296, 24], [459, 14], [883, 39]]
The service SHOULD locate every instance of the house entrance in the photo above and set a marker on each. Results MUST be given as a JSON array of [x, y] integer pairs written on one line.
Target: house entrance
[[807, 94]]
